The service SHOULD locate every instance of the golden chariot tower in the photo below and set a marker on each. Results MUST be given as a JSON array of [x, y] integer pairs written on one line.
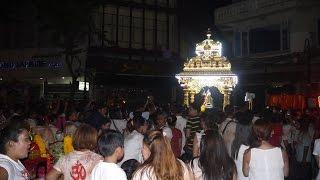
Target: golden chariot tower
[[208, 68]]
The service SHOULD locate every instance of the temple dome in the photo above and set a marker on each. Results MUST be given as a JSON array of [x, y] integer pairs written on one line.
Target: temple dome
[[209, 48]]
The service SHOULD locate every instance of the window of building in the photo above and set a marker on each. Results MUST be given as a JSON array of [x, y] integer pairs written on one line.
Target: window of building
[[137, 25], [161, 31], [244, 40], [265, 39], [172, 3], [95, 32], [124, 27], [173, 33], [237, 44], [285, 39], [162, 3], [110, 25], [149, 29]]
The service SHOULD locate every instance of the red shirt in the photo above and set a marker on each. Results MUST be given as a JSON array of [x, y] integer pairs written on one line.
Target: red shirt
[[176, 142]]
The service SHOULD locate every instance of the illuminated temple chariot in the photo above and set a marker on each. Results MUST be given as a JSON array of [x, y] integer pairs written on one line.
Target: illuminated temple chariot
[[209, 68]]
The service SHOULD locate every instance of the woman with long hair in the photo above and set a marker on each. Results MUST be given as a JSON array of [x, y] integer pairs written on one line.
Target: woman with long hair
[[160, 162], [240, 142], [207, 122], [214, 163], [263, 161]]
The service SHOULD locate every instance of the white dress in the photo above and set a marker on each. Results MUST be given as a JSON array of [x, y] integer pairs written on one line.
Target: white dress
[[15, 170], [266, 164], [239, 162], [316, 152]]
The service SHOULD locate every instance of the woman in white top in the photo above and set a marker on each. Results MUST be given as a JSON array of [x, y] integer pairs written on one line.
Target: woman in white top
[[262, 161], [214, 161], [133, 141], [316, 153], [160, 162], [14, 145]]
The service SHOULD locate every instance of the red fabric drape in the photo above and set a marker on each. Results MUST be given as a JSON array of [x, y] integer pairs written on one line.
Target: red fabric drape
[[287, 101]]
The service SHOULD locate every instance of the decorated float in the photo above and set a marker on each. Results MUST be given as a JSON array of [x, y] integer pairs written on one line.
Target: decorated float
[[207, 69]]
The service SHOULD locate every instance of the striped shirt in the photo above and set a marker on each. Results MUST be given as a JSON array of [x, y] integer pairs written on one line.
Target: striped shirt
[[194, 125]]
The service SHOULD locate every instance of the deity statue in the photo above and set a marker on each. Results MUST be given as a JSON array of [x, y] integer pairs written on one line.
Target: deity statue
[[208, 100]]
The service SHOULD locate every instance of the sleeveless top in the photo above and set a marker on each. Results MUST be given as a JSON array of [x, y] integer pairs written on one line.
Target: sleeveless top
[[266, 164], [239, 162], [15, 169]]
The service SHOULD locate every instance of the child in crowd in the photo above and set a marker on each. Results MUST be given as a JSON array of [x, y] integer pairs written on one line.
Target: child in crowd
[[110, 145]]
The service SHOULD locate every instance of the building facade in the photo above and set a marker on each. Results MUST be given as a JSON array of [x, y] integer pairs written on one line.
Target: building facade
[[274, 42], [131, 43], [135, 44]]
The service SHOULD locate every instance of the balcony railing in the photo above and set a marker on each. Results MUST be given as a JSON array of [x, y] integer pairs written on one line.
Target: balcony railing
[[251, 8]]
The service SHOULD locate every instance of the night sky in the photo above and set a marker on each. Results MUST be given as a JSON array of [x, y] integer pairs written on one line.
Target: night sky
[[196, 17]]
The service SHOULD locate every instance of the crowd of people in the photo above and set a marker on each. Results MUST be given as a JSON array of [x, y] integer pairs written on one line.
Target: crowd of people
[[163, 142]]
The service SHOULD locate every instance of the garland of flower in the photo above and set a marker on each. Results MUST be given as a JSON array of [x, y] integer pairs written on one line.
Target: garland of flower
[[42, 146], [67, 144]]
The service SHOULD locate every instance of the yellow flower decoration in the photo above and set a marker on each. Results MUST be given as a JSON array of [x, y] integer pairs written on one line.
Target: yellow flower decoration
[[67, 144], [203, 108], [42, 146]]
